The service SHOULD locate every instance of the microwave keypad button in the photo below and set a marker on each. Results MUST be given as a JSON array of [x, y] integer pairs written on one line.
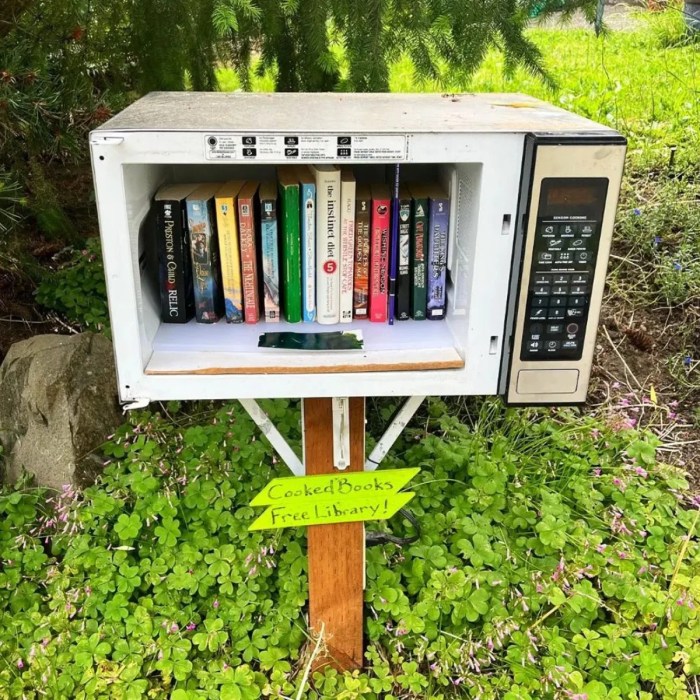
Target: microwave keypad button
[[560, 289], [587, 230], [551, 345], [577, 301], [542, 290], [548, 229], [538, 302], [561, 278], [584, 256], [556, 314], [545, 257], [555, 328], [574, 313], [539, 314], [558, 302], [569, 345], [579, 289], [578, 278], [572, 328], [568, 229], [543, 279], [534, 345]]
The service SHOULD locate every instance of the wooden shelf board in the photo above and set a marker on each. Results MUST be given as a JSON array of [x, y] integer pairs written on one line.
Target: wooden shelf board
[[203, 349]]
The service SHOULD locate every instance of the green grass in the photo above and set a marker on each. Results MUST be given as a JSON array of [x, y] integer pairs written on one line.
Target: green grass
[[633, 81], [645, 83]]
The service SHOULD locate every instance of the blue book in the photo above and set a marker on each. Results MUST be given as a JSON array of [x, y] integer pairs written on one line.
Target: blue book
[[270, 251], [308, 243], [204, 249], [438, 232]]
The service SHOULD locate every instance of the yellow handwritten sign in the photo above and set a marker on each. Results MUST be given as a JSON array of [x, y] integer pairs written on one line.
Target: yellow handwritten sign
[[332, 498]]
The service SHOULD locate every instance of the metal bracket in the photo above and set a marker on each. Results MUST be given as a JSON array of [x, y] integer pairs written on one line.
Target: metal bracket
[[134, 404], [391, 434], [341, 433], [281, 446]]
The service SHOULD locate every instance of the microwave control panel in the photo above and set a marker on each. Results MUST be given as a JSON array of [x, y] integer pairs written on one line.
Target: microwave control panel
[[565, 250]]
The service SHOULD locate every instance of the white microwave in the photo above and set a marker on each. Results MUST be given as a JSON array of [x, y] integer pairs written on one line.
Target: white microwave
[[532, 191]]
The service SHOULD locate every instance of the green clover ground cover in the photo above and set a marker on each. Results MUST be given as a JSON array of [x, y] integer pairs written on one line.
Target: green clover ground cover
[[553, 562]]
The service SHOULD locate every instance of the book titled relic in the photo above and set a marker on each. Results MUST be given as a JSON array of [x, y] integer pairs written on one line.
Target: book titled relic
[[174, 260]]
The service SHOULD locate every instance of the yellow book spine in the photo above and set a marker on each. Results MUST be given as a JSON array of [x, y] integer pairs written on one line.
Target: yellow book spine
[[230, 256]]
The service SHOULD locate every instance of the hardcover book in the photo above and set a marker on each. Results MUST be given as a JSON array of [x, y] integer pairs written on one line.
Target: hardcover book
[[347, 243], [438, 231], [269, 251], [363, 205], [174, 260], [419, 226], [379, 254], [201, 221], [289, 222], [226, 206], [403, 277], [249, 263], [308, 242], [327, 243]]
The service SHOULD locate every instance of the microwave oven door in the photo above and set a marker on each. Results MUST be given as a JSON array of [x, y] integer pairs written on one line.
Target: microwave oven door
[[568, 198]]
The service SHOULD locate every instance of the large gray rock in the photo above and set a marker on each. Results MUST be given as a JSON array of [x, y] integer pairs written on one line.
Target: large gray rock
[[58, 402]]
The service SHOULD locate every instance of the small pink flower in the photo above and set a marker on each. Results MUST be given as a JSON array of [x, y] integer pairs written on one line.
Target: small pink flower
[[672, 415], [174, 628], [595, 433], [639, 471], [216, 604], [619, 483], [631, 423], [601, 548], [623, 555], [191, 627], [597, 471], [20, 663]]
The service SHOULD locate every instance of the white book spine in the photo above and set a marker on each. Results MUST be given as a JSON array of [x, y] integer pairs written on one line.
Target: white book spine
[[347, 245], [328, 239]]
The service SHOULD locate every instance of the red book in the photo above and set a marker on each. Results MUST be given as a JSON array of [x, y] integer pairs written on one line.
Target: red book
[[379, 254], [249, 264]]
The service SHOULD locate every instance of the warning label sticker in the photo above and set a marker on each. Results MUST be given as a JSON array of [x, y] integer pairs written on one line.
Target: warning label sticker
[[305, 147]]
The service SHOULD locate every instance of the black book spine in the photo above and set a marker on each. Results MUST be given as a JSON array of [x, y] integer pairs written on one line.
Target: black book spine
[[403, 278], [176, 300]]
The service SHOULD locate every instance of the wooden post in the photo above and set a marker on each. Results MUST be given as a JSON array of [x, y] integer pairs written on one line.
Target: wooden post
[[336, 552]]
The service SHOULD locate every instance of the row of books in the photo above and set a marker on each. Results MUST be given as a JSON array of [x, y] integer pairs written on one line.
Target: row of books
[[313, 246]]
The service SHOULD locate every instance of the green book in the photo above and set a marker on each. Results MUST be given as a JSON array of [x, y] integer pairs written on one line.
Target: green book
[[290, 223], [419, 228]]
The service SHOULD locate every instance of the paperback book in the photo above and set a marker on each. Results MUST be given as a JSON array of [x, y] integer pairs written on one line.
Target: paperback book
[[249, 258], [363, 206], [308, 242], [327, 243], [290, 237], [174, 259], [379, 254], [201, 221], [403, 277], [347, 243], [419, 226], [269, 250], [439, 220], [226, 206]]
